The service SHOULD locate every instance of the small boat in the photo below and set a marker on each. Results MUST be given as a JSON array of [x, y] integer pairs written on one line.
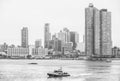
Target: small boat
[[33, 63], [58, 73]]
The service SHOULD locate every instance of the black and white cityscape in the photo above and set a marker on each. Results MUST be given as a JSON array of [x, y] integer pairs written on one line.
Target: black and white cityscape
[[96, 43], [95, 58]]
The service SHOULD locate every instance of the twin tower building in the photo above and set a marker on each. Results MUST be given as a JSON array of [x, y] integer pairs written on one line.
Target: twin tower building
[[97, 32]]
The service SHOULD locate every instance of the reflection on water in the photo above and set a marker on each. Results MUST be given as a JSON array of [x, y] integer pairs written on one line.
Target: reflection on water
[[20, 70]]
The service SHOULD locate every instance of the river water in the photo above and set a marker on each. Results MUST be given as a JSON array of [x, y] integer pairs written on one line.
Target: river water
[[80, 70]]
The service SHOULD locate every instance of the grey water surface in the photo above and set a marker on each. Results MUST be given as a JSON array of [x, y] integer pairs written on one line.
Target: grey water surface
[[80, 70]]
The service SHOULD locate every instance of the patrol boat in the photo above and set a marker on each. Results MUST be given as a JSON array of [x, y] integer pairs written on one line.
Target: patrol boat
[[58, 73]]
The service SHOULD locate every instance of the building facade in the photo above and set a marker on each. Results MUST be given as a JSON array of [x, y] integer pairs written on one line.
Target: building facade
[[24, 37], [61, 36], [3, 48], [97, 32], [74, 38], [51, 44], [67, 35], [18, 52], [89, 30], [57, 45], [39, 52], [106, 43], [67, 47]]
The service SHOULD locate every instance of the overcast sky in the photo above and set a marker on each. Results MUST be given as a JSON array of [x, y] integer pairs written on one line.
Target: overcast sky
[[15, 14]]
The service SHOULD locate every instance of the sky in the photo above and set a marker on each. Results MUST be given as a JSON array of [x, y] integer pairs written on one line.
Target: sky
[[16, 14]]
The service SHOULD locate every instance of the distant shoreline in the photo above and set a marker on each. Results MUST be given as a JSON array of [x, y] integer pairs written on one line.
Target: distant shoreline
[[51, 59]]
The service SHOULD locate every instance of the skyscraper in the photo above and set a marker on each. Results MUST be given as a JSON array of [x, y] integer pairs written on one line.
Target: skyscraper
[[106, 42], [24, 37], [89, 24], [47, 35], [97, 31]]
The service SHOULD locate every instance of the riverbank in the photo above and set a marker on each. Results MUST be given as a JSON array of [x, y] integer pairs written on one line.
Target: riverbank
[[51, 59]]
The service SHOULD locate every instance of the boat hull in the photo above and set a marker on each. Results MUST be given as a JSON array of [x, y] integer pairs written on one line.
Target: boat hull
[[55, 75]]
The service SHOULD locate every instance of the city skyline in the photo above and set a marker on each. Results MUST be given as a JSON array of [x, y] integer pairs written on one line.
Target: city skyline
[[74, 21]]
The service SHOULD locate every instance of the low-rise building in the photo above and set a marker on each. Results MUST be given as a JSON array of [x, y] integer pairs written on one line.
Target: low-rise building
[[3, 47], [39, 52], [17, 52]]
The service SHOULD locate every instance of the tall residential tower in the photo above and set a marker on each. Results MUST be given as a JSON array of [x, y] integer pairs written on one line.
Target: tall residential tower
[[106, 42], [97, 31]]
